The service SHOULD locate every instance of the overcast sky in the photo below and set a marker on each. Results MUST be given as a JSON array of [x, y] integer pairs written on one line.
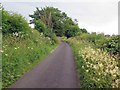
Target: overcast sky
[[94, 16]]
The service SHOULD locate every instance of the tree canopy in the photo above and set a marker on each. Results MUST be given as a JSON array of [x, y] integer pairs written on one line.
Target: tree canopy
[[55, 21]]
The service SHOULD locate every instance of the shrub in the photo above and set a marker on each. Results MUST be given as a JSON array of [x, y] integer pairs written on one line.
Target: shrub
[[109, 44], [40, 26], [72, 31], [13, 22], [112, 45]]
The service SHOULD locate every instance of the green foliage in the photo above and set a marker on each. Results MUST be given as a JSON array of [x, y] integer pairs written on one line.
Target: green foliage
[[56, 21], [12, 22], [21, 54], [112, 45], [40, 26], [54, 38], [96, 69], [72, 31], [97, 59], [109, 44], [83, 30], [22, 46]]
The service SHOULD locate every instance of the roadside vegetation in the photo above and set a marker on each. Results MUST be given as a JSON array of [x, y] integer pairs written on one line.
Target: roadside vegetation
[[57, 22], [20, 55], [97, 60], [22, 47], [97, 56]]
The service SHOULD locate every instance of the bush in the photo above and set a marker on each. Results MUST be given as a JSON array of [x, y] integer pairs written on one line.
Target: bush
[[40, 26], [72, 31], [13, 22], [111, 45], [54, 38]]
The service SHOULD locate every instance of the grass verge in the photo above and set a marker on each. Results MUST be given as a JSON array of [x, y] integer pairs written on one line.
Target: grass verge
[[21, 53]]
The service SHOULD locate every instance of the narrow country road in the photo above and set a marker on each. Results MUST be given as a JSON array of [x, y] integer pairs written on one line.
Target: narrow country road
[[56, 71]]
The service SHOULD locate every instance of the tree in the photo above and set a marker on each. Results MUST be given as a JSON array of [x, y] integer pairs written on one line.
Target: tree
[[76, 21], [83, 30], [58, 22]]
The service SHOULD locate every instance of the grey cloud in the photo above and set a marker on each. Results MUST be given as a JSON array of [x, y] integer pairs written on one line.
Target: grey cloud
[[89, 13]]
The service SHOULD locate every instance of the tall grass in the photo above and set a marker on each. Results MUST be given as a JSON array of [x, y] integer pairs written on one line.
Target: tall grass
[[21, 52]]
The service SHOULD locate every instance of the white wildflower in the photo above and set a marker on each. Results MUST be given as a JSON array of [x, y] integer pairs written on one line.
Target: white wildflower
[[101, 65], [15, 48], [87, 70], [16, 34], [98, 79], [1, 51], [6, 54], [82, 66]]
